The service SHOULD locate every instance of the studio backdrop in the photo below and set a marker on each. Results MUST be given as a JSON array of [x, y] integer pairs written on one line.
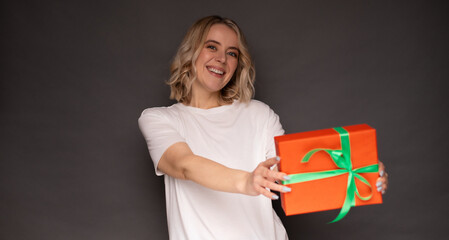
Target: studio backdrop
[[75, 76]]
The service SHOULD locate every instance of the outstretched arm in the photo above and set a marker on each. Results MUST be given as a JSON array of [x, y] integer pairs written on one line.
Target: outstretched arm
[[179, 161]]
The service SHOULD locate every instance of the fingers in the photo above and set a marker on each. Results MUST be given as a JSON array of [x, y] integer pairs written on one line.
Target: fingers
[[381, 168], [269, 162], [267, 193], [276, 187], [264, 179], [263, 189], [382, 181], [263, 170]]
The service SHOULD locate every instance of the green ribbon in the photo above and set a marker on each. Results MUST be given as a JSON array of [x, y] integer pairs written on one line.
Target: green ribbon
[[342, 159]]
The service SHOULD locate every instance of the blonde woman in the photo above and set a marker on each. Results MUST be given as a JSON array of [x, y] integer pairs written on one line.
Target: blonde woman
[[215, 146]]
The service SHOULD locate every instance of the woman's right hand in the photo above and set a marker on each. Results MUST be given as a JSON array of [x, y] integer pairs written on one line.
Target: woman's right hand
[[263, 179]]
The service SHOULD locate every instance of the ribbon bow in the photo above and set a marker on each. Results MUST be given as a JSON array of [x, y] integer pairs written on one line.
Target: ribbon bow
[[342, 159]]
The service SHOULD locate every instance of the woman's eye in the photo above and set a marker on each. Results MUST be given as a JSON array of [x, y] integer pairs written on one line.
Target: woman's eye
[[211, 47], [233, 54]]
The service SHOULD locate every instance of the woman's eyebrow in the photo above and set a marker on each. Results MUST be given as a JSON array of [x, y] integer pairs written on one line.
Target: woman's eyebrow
[[208, 41], [218, 43]]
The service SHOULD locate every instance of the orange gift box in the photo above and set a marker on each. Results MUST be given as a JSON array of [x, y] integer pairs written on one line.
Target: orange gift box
[[321, 147]]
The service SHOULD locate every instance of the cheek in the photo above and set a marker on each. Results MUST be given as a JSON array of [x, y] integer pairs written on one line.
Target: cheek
[[233, 67], [201, 58]]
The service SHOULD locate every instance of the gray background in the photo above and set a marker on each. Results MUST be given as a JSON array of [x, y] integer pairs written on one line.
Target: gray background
[[76, 76]]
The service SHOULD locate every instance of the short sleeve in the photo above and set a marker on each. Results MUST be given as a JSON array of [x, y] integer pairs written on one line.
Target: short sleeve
[[274, 128], [160, 132]]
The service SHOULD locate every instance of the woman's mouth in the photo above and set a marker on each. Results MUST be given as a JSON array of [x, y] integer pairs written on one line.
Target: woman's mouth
[[216, 71]]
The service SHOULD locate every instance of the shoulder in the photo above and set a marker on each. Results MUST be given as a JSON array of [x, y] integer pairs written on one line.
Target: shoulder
[[160, 113], [258, 107], [173, 109], [263, 115], [257, 111]]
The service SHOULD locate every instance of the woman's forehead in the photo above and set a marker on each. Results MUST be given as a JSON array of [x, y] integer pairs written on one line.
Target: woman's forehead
[[222, 34]]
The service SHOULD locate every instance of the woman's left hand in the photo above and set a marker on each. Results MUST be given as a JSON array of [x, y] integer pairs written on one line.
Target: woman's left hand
[[382, 181]]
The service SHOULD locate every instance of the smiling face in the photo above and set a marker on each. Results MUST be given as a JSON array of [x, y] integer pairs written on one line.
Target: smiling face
[[216, 62]]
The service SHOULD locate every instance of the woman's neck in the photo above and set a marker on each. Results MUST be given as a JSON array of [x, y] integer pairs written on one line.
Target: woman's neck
[[205, 102]]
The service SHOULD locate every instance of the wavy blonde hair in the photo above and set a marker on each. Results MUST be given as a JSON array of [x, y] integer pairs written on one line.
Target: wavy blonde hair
[[183, 71]]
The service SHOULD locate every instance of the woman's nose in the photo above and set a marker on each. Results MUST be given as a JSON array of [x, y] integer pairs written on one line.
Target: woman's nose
[[220, 57]]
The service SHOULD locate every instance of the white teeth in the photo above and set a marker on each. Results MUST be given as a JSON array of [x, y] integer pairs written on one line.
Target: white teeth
[[216, 71]]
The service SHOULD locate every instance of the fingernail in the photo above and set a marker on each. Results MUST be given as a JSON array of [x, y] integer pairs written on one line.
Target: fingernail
[[381, 173], [275, 197], [378, 184], [286, 178], [286, 189], [278, 158], [379, 189]]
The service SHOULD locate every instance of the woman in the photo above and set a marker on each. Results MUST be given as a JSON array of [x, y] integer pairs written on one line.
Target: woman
[[215, 146]]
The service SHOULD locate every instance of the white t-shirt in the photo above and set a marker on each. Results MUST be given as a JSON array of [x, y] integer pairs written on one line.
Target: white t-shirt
[[238, 136]]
